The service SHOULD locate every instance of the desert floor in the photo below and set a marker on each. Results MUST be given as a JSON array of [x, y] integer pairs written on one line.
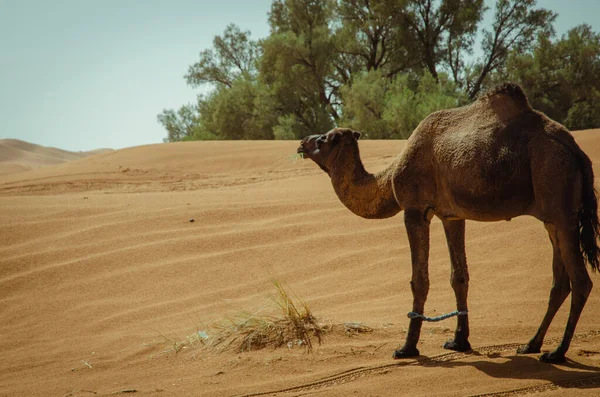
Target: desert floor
[[102, 275]]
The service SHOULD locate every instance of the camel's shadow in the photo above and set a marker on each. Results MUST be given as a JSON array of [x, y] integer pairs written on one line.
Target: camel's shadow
[[571, 374]]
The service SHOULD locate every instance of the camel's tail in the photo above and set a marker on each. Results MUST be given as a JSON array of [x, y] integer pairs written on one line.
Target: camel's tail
[[589, 226]]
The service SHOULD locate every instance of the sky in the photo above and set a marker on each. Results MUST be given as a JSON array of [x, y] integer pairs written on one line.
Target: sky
[[82, 75]]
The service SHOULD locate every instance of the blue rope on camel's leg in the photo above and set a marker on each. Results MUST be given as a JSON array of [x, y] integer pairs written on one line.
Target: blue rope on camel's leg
[[438, 318]]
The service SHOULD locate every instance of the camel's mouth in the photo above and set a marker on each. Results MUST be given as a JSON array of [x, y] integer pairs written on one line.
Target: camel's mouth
[[309, 147], [304, 152]]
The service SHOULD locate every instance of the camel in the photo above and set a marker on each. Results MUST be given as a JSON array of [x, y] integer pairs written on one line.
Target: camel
[[492, 160]]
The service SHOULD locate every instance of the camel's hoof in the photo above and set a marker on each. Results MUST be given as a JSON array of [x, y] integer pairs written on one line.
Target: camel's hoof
[[405, 353], [528, 349], [553, 357], [459, 346]]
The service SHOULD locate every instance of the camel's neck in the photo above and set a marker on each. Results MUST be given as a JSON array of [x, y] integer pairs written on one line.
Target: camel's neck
[[367, 195]]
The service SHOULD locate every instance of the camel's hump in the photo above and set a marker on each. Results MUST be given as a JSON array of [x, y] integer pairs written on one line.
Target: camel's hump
[[509, 91], [507, 100]]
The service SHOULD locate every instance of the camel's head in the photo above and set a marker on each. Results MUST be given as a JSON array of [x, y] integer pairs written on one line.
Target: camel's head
[[324, 149]]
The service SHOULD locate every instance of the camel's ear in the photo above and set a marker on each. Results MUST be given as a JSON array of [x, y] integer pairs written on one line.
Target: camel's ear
[[356, 135]]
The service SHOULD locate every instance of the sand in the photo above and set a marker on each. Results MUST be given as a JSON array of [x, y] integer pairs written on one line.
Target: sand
[[101, 272]]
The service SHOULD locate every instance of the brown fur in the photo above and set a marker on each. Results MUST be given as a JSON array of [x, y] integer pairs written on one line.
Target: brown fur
[[492, 160]]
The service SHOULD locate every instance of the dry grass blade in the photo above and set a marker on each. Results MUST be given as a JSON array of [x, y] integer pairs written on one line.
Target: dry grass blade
[[299, 317], [295, 157]]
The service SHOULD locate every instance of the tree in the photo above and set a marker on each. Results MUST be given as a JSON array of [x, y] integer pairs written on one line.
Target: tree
[[372, 35], [562, 78], [381, 66], [443, 30], [364, 104], [239, 107], [540, 73], [579, 50], [296, 64], [516, 24], [242, 111], [390, 108], [179, 124], [406, 108], [233, 56]]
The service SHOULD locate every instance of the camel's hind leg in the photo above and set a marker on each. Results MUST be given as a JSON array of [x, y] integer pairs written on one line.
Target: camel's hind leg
[[459, 279], [558, 185], [561, 286], [567, 239]]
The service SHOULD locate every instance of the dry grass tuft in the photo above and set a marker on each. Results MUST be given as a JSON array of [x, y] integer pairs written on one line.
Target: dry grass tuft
[[290, 322], [294, 326]]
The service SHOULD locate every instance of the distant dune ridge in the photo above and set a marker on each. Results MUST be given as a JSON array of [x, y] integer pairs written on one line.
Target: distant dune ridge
[[17, 155], [102, 273]]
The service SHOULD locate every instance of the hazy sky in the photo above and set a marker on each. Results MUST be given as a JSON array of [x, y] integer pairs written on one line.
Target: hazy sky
[[83, 74]]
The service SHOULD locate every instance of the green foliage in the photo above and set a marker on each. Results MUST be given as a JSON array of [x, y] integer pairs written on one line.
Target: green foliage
[[406, 109], [243, 111], [234, 55], [583, 115], [181, 124], [381, 66], [293, 70], [286, 127], [384, 108], [296, 65], [365, 103], [516, 24], [561, 78], [372, 35], [443, 31]]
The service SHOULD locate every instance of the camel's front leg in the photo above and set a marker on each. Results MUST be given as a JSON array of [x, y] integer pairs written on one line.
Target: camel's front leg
[[417, 227], [459, 279]]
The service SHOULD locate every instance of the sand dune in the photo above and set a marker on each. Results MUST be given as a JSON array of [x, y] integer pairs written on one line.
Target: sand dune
[[17, 156], [101, 271]]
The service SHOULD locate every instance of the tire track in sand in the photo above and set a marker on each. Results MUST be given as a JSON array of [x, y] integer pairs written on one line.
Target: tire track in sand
[[362, 372], [588, 381]]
